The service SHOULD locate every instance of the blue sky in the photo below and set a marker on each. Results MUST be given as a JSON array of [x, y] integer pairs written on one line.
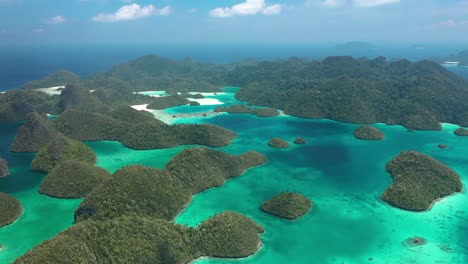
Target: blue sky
[[232, 21]]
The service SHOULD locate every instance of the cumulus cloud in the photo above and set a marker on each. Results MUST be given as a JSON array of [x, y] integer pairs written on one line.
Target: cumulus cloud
[[247, 8], [132, 12], [372, 3], [55, 20]]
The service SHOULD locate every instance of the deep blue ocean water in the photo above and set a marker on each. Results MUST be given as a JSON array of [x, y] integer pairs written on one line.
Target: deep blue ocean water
[[19, 64]]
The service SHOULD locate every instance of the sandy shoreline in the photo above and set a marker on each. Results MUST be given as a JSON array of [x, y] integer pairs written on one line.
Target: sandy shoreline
[[171, 118]]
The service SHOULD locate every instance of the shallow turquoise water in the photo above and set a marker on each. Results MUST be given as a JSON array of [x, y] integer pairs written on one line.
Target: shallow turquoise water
[[343, 176]]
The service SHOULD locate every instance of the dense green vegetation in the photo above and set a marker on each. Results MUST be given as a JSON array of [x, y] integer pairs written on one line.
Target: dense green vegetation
[[131, 116], [299, 141], [463, 132], [78, 97], [368, 133], [278, 143], [164, 102], [194, 103], [34, 134], [418, 181], [3, 168], [230, 235], [416, 95], [62, 149], [147, 73], [132, 239], [15, 105], [143, 133], [60, 78], [11, 209], [287, 205], [151, 135], [244, 109], [135, 190], [73, 179], [201, 168]]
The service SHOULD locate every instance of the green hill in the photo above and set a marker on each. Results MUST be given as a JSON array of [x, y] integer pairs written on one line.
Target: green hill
[[287, 205], [36, 132], [11, 209]]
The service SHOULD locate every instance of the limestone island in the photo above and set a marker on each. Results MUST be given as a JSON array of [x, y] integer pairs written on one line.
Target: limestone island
[[244, 109], [163, 193], [142, 133], [201, 168], [160, 103], [287, 205], [227, 235], [194, 103], [11, 209], [73, 179], [299, 141], [4, 172], [463, 132], [34, 134], [61, 149], [278, 143], [442, 146], [368, 133], [419, 181]]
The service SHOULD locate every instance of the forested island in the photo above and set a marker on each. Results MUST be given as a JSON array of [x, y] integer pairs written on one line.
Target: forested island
[[417, 95], [244, 109], [368, 133], [11, 209], [287, 205], [419, 181]]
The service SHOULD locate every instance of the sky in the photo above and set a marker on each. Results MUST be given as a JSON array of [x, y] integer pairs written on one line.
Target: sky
[[232, 21]]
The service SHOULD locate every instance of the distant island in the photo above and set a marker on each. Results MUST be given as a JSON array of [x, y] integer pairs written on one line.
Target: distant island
[[458, 59], [244, 109], [287, 205], [339, 88], [11, 209], [417, 95], [463, 132], [419, 181]]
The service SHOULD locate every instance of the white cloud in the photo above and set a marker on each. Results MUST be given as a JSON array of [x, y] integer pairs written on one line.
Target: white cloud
[[332, 3], [372, 3], [249, 7], [55, 20], [132, 12]]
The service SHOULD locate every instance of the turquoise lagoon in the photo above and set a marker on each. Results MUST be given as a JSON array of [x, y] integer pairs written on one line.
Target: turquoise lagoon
[[343, 176]]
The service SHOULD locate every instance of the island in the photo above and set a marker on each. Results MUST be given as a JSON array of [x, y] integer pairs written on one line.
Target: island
[[368, 133], [463, 132], [419, 181], [287, 205], [73, 179], [36, 132], [299, 141], [151, 134], [4, 172], [160, 103], [458, 59], [353, 90], [59, 150], [199, 169], [244, 109], [278, 143], [134, 239], [11, 209], [194, 103], [136, 190]]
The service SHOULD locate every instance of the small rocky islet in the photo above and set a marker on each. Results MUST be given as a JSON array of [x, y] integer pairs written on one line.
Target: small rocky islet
[[287, 205], [4, 172], [278, 143], [368, 133]]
